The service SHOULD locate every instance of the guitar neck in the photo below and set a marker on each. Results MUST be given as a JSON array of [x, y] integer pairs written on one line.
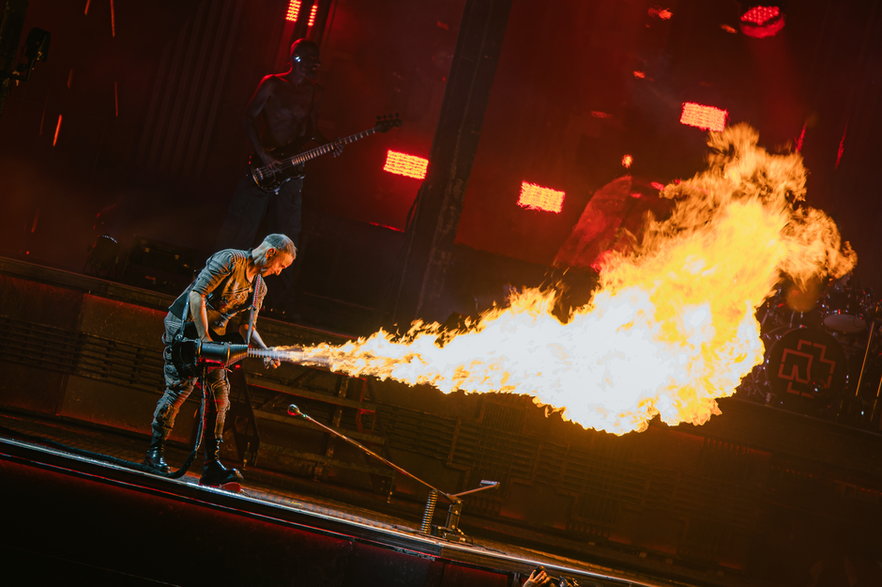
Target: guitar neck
[[328, 147], [270, 177]]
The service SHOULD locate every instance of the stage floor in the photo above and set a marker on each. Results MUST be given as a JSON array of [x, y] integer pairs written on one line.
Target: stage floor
[[43, 458]]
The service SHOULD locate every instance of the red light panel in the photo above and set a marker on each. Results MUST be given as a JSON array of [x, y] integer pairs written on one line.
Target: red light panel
[[762, 21], [701, 116], [294, 12], [761, 15], [537, 197], [406, 165]]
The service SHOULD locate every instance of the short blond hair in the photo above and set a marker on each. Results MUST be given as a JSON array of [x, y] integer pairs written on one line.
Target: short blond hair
[[281, 242]]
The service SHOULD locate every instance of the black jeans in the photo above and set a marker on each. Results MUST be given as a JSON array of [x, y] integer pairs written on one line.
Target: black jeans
[[179, 387]]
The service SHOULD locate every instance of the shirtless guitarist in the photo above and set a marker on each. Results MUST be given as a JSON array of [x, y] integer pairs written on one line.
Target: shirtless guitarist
[[280, 121]]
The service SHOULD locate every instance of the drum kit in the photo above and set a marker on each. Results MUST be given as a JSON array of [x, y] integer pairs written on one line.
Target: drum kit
[[823, 352]]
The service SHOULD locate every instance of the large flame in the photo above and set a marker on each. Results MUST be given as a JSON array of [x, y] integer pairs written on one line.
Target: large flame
[[670, 328]]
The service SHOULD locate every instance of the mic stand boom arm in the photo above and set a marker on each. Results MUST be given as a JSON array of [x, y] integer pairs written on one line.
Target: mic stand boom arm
[[451, 531], [293, 410]]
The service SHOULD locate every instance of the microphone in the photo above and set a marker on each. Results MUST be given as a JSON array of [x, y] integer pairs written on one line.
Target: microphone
[[293, 410]]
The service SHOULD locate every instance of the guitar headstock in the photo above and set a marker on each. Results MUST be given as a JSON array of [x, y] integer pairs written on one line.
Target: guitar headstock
[[387, 122]]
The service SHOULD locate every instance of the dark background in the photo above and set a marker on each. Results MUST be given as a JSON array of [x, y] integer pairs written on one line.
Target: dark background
[[151, 139]]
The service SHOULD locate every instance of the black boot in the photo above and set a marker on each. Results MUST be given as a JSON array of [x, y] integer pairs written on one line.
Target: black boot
[[214, 474], [154, 459]]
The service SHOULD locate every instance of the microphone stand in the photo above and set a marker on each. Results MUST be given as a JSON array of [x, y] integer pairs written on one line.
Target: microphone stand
[[449, 532]]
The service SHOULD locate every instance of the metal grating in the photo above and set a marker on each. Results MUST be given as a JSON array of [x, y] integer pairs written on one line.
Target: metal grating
[[76, 353]]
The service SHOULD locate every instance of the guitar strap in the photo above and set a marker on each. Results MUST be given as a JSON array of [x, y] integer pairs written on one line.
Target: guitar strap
[[185, 315]]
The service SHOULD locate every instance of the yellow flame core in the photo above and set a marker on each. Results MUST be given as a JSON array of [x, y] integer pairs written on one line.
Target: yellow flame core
[[672, 325]]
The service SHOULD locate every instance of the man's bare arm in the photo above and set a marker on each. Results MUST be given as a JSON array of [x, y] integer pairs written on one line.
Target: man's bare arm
[[258, 341], [255, 336], [255, 107], [199, 315]]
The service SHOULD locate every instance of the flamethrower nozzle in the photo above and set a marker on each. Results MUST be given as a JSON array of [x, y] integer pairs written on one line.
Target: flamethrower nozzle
[[222, 352]]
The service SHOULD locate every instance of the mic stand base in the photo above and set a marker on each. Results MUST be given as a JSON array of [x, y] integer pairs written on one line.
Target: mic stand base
[[451, 531], [452, 535]]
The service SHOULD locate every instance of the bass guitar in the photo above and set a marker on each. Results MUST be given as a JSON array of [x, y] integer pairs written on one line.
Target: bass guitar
[[270, 178]]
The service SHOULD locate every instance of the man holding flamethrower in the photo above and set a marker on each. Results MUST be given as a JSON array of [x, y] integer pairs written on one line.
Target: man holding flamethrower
[[230, 284]]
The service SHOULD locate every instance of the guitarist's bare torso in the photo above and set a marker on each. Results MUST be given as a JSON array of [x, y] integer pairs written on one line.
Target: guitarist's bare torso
[[287, 113]]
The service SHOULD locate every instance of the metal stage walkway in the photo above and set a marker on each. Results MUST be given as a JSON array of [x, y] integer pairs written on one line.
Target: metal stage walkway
[[74, 517]]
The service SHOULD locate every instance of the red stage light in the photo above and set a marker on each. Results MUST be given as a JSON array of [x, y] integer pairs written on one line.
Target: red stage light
[[57, 131], [701, 116], [660, 13], [841, 149], [294, 12], [761, 14], [762, 21], [406, 165], [537, 197]]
